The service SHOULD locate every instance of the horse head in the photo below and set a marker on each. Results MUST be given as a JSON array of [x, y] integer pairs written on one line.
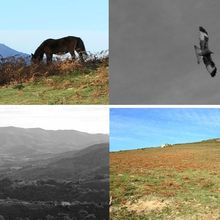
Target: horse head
[[34, 59]]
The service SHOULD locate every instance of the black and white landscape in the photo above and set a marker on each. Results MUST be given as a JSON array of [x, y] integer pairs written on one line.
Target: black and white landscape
[[53, 174]]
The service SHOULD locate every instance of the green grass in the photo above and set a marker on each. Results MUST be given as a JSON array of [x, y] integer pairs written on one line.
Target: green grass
[[88, 87], [187, 188]]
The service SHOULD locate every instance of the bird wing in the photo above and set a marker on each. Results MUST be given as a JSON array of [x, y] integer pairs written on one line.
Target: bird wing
[[203, 38], [210, 65]]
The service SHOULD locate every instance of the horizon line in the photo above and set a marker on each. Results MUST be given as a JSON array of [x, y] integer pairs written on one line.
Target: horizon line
[[11, 126], [179, 143]]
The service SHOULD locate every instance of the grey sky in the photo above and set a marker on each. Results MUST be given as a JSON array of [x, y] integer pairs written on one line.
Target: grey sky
[[152, 55], [91, 119]]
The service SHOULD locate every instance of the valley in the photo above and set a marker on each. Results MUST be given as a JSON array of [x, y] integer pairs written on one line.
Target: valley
[[53, 174]]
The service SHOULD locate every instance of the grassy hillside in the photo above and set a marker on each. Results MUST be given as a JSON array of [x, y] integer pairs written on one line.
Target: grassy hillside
[[178, 182], [63, 82]]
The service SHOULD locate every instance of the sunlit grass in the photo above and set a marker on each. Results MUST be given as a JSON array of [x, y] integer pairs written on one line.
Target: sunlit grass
[[63, 82], [180, 182]]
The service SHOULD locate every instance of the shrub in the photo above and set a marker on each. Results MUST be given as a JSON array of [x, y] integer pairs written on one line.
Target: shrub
[[17, 70]]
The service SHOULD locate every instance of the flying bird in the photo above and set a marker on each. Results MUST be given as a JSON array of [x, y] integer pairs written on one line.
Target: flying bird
[[204, 52]]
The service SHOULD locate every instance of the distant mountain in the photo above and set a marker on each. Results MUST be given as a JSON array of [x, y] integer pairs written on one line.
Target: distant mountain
[[87, 163], [20, 144], [6, 51]]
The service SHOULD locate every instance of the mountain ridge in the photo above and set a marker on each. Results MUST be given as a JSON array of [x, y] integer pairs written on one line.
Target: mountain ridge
[[20, 144], [86, 163], [6, 51]]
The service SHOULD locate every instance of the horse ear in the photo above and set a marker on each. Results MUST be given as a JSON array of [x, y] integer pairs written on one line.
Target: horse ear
[[32, 55]]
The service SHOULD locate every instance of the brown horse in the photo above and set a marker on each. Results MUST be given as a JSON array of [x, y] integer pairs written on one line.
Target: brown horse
[[63, 45]]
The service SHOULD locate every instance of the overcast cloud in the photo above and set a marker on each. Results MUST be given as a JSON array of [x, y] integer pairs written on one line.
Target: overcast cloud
[[91, 119], [152, 55]]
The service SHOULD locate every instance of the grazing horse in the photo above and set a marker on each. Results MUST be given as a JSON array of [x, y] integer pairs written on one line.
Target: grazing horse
[[63, 45]]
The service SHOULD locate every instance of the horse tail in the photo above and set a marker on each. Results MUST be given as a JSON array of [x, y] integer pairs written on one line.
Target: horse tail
[[80, 45]]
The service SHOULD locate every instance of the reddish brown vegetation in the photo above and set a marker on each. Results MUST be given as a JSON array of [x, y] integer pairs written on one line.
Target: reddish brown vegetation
[[15, 70], [177, 158], [184, 177]]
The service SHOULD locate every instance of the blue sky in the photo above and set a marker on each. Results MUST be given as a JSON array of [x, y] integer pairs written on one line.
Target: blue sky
[[25, 24], [132, 128]]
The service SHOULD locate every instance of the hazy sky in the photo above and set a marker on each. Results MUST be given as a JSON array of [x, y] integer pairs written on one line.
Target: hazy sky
[[91, 119], [25, 24], [152, 55], [132, 128]]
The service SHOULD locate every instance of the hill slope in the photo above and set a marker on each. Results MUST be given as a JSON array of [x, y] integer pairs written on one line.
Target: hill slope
[[19, 144], [179, 182], [86, 163], [67, 184], [6, 51], [63, 82]]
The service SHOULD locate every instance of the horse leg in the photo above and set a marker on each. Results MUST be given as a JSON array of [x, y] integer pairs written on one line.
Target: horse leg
[[80, 55], [73, 55], [49, 58]]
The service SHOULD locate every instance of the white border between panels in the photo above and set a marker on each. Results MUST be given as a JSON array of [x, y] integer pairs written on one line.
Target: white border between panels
[[164, 106]]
